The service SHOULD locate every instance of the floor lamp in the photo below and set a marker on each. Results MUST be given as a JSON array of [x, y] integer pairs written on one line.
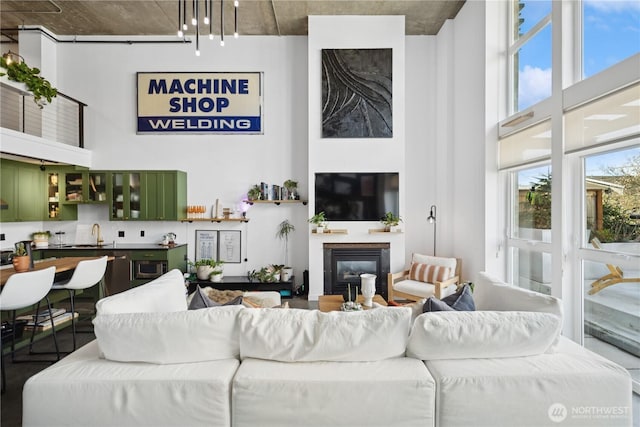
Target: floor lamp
[[432, 220]]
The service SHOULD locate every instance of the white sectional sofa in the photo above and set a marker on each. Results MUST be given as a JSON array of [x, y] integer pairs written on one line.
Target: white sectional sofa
[[156, 363]]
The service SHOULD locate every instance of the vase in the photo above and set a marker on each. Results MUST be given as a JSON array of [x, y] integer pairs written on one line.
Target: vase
[[368, 288], [286, 274], [216, 277], [204, 271], [20, 263]]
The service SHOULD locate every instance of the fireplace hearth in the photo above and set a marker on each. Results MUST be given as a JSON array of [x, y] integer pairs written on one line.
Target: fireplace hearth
[[344, 262]]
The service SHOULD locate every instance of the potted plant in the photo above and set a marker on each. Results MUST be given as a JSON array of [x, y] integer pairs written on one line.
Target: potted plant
[[292, 187], [41, 238], [19, 71], [264, 275], [284, 229], [254, 193], [390, 221], [320, 221], [20, 258], [276, 269], [205, 267], [217, 273]]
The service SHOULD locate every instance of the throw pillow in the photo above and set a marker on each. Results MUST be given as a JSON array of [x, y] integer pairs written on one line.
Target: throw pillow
[[429, 273], [462, 300], [201, 300]]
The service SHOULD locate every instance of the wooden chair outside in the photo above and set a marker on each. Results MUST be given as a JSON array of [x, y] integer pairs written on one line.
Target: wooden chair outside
[[438, 287], [615, 276]]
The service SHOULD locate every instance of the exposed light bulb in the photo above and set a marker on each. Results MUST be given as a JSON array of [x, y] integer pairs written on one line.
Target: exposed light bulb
[[185, 27], [236, 3], [194, 21], [197, 53], [235, 35], [210, 36], [206, 20], [221, 42], [180, 33]]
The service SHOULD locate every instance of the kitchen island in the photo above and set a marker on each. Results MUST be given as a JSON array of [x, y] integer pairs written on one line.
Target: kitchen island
[[133, 263]]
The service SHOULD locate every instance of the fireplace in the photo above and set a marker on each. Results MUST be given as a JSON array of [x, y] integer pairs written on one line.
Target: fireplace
[[344, 262]]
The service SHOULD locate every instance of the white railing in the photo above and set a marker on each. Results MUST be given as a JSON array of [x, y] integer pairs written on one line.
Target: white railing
[[60, 121]]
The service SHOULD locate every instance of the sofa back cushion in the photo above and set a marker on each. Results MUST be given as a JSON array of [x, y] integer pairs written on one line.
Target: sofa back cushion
[[482, 334], [173, 337], [493, 294], [164, 294], [311, 335], [436, 261]]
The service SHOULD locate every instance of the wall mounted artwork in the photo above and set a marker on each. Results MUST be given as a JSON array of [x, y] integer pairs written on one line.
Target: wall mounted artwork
[[357, 93]]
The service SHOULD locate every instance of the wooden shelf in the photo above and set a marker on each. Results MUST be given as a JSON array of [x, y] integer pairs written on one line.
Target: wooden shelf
[[215, 220], [333, 231], [382, 230], [275, 202]]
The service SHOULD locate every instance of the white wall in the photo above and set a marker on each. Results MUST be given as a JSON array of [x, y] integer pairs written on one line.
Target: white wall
[[438, 144], [354, 154], [461, 149]]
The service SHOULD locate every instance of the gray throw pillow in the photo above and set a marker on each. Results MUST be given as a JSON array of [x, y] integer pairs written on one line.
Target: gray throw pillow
[[201, 300], [462, 300]]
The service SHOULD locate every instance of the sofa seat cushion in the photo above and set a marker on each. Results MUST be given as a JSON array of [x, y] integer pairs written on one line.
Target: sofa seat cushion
[[85, 390], [164, 294], [421, 289], [522, 391], [175, 337], [482, 334], [297, 335], [268, 393]]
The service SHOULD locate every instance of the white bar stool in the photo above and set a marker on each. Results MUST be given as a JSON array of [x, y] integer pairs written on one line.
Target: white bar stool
[[87, 273], [23, 290]]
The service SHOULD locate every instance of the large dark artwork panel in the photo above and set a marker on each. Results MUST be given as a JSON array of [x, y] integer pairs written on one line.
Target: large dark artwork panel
[[357, 93]]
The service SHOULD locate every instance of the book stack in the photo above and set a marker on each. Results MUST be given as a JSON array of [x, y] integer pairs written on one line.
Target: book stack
[[41, 321]]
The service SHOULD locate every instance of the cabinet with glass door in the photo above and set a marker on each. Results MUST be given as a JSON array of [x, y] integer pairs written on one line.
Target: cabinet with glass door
[[125, 195], [85, 187]]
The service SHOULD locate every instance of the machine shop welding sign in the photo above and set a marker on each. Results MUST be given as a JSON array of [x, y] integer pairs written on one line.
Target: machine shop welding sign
[[200, 103]]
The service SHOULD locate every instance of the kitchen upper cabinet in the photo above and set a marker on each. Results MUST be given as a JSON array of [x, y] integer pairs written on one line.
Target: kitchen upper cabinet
[[22, 193], [126, 195], [164, 195], [85, 187], [56, 210]]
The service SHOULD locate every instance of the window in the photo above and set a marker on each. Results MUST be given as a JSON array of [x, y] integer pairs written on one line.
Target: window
[[610, 33], [612, 200], [532, 204], [591, 258], [530, 53]]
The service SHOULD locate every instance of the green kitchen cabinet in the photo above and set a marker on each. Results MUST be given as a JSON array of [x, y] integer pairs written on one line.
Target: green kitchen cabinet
[[84, 186], [164, 195], [56, 210], [126, 195], [22, 195]]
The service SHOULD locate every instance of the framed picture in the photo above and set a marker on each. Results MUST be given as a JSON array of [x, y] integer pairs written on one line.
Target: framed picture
[[229, 243], [206, 244]]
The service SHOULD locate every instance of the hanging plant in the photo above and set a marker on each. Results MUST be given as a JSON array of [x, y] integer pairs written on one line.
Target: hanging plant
[[19, 71]]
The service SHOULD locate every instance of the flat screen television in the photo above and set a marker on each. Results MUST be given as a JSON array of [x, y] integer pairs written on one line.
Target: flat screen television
[[357, 196]]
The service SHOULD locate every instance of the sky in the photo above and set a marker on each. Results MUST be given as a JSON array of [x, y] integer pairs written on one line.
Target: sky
[[611, 34]]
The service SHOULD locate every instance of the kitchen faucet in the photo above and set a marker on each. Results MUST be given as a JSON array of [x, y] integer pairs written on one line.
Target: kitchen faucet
[[99, 240]]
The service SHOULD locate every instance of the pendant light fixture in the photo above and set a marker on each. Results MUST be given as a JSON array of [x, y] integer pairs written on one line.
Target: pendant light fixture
[[207, 19], [221, 22]]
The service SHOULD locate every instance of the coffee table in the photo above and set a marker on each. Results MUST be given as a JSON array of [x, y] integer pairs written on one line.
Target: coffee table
[[334, 302]]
